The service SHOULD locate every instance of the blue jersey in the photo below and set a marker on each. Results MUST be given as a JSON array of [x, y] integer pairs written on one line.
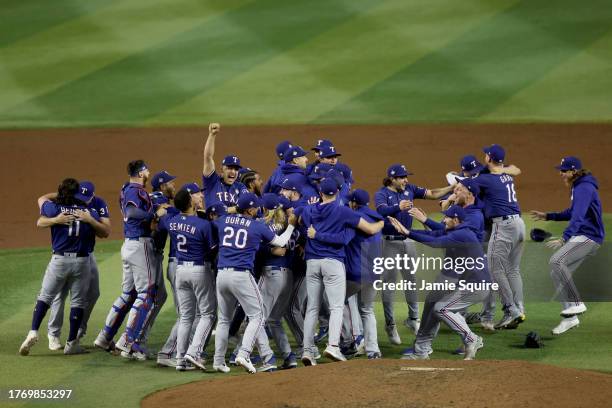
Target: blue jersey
[[78, 237], [330, 218], [387, 204], [157, 199], [280, 261], [192, 238], [101, 208], [275, 180], [161, 235], [363, 249], [239, 240], [584, 215], [473, 219], [134, 194], [498, 195], [216, 191], [462, 246]]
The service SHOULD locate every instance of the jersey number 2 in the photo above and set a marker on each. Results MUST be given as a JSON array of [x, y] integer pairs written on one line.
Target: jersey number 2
[[239, 237], [181, 241], [511, 193]]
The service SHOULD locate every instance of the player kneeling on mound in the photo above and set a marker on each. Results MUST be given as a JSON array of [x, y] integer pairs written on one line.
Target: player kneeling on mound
[[460, 243]]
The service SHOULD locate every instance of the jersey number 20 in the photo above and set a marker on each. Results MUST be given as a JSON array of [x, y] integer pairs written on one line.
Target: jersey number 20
[[239, 237], [511, 193]]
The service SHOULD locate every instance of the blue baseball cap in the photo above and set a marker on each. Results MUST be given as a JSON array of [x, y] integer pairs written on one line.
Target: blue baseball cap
[[160, 178], [328, 186], [244, 170], [455, 211], [328, 151], [282, 147], [322, 143], [320, 170], [86, 191], [218, 209], [471, 185], [398, 170], [191, 188], [495, 152], [471, 165], [293, 152], [346, 172], [231, 161], [569, 163], [293, 183], [248, 200], [359, 197], [270, 201]]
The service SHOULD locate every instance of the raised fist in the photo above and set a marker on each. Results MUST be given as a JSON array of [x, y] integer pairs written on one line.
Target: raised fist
[[214, 128]]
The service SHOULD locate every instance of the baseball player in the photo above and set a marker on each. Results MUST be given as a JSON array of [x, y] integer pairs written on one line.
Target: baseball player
[[361, 250], [161, 197], [395, 199], [252, 181], [73, 230], [460, 243], [501, 208], [138, 283], [194, 281], [296, 162], [239, 239], [56, 314], [275, 180], [325, 266], [222, 188], [582, 238]]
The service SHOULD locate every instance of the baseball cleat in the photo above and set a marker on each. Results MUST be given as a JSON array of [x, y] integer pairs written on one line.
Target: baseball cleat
[[574, 310], [410, 350], [181, 365], [472, 348], [28, 343], [308, 360], [333, 352], [73, 347], [414, 357], [459, 351], [123, 345], [317, 354], [290, 362], [268, 366], [81, 333], [566, 324], [322, 334], [473, 317], [394, 337], [103, 343], [245, 362], [54, 343], [515, 322], [488, 325], [197, 362], [221, 368], [504, 321], [413, 324], [374, 356], [349, 350], [232, 359], [360, 344], [166, 362]]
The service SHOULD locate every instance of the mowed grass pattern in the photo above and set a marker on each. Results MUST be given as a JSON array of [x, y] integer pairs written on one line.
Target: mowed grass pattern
[[100, 379], [162, 62]]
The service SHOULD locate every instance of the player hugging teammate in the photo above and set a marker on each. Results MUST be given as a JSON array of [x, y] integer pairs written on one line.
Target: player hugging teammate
[[245, 256]]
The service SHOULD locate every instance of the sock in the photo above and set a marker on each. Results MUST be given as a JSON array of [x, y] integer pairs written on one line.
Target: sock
[[76, 317], [40, 310]]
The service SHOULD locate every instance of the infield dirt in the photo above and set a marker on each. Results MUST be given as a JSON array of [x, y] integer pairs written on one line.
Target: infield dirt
[[35, 161], [396, 383]]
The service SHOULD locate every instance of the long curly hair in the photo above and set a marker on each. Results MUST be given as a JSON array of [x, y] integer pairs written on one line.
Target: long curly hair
[[66, 191]]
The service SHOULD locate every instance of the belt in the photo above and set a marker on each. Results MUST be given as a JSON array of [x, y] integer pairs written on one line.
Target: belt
[[172, 259], [506, 217], [394, 237], [191, 263], [72, 254], [138, 239], [235, 270]]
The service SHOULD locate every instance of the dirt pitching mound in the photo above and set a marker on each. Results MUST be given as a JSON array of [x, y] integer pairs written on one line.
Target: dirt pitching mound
[[396, 383]]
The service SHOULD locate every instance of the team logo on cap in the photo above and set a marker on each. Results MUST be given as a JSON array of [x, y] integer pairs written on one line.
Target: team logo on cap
[[83, 190]]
